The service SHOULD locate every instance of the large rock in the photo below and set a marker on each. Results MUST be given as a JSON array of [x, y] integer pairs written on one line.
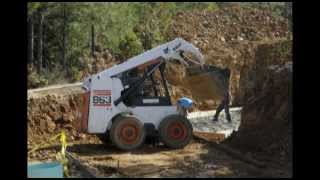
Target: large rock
[[67, 118], [64, 108]]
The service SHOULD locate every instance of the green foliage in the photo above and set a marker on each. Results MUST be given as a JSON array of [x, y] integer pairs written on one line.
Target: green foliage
[[212, 7], [32, 7], [187, 6], [130, 45], [35, 80], [75, 74], [154, 20], [124, 28]]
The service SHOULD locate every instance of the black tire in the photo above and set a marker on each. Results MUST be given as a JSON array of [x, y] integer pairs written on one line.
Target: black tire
[[175, 131], [127, 133], [104, 137]]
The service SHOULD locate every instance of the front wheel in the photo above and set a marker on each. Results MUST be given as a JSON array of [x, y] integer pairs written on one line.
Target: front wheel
[[127, 133], [175, 131]]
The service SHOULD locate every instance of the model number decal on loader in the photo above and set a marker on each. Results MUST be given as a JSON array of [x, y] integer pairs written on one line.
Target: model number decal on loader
[[101, 98]]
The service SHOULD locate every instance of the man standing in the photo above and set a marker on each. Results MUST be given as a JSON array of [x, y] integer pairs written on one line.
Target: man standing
[[226, 99]]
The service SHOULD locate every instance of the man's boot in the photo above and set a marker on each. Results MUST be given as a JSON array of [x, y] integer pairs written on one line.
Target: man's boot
[[215, 119], [228, 117]]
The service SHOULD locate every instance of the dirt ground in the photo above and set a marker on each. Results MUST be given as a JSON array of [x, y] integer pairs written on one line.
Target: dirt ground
[[198, 159]]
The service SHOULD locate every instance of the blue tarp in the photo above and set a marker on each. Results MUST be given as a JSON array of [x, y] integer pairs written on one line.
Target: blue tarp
[[45, 170]]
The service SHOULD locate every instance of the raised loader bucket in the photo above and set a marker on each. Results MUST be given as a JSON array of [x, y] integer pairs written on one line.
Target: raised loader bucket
[[205, 83]]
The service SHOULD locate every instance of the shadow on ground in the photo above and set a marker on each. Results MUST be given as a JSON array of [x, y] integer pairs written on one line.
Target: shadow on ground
[[109, 149]]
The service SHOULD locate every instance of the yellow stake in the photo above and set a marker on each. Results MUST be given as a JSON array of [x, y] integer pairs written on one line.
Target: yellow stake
[[62, 154], [64, 160]]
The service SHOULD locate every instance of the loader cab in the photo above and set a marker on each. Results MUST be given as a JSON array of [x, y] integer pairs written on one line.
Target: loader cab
[[146, 89]]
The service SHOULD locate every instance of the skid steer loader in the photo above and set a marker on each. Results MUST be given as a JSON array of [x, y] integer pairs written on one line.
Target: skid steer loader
[[116, 107]]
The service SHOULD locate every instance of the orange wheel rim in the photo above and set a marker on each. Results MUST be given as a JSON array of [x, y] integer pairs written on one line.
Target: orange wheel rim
[[129, 133], [177, 131]]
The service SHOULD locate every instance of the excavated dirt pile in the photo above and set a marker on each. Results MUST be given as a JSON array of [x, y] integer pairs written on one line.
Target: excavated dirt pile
[[265, 128], [254, 75], [227, 37], [49, 114]]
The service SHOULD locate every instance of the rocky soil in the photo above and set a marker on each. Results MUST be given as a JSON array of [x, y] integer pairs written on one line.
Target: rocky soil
[[265, 130], [228, 38]]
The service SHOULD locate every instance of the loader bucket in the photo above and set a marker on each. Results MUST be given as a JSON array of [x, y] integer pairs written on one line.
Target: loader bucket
[[205, 84]]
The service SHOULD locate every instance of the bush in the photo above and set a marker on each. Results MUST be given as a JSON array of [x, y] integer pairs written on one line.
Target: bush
[[130, 45], [212, 7], [35, 80], [75, 74]]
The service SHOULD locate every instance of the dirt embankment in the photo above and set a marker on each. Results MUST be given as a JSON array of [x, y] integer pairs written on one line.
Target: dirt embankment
[[228, 38], [265, 130], [50, 111]]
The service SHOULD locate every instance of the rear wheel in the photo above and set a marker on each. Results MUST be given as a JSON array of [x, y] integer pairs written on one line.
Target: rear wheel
[[127, 133], [175, 131]]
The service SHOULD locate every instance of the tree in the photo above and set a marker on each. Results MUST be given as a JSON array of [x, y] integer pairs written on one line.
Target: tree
[[40, 45], [64, 37], [32, 9], [154, 20], [130, 45], [92, 40], [30, 39]]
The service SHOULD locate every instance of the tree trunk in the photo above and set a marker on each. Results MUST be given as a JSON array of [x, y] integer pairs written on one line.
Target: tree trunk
[[40, 29], [30, 40], [92, 41], [44, 59], [288, 6], [64, 38]]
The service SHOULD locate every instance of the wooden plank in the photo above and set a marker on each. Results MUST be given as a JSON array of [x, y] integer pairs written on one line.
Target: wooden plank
[[208, 136]]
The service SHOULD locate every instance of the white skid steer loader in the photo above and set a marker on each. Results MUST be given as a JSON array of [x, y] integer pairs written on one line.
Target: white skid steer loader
[[116, 108]]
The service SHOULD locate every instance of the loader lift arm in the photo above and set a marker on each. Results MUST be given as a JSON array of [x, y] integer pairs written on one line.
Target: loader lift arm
[[172, 50], [169, 51]]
